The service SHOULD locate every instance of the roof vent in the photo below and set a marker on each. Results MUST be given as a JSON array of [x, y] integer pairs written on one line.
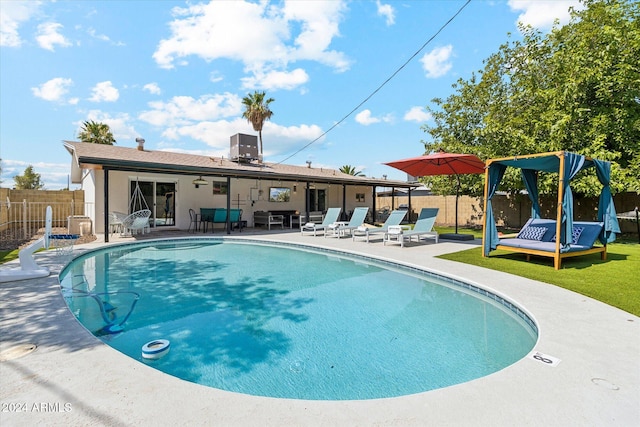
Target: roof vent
[[140, 142]]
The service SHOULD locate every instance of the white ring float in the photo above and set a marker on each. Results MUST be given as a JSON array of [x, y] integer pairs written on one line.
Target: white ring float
[[155, 349]]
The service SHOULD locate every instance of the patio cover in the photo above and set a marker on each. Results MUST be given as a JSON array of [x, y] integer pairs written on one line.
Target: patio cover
[[567, 165]]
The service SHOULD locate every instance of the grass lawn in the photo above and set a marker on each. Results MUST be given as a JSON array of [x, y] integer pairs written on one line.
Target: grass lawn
[[6, 256], [613, 281]]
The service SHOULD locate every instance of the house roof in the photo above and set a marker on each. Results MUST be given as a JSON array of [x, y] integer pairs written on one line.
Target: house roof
[[100, 156]]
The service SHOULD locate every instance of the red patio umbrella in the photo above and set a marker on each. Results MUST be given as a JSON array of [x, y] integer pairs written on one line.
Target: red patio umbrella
[[442, 163]]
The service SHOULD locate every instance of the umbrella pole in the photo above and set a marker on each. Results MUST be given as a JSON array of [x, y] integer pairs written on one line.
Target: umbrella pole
[[457, 196]]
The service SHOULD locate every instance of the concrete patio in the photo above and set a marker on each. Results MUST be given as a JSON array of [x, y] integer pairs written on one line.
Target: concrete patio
[[73, 379]]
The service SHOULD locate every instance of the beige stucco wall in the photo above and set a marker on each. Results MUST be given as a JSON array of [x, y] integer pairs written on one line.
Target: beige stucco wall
[[250, 195]]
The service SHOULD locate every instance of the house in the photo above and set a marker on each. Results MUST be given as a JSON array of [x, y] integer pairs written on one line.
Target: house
[[172, 183]]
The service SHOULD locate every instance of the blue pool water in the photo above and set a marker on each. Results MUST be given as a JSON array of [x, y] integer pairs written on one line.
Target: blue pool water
[[290, 323]]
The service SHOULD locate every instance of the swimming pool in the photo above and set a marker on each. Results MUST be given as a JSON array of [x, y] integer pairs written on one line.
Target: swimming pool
[[284, 321]]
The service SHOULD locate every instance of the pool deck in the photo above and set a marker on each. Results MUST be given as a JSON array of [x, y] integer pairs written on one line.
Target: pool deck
[[73, 379]]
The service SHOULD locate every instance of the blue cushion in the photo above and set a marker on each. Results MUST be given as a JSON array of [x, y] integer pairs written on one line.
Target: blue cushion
[[590, 233], [575, 235], [532, 233]]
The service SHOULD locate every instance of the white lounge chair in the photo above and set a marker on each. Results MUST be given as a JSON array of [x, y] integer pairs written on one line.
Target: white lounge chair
[[340, 229], [394, 218], [423, 227], [136, 222], [331, 217]]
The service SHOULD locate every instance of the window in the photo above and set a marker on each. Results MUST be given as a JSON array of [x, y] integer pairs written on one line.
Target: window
[[359, 197]]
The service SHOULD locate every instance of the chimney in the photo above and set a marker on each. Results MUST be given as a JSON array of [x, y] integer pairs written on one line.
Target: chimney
[[140, 142], [308, 163]]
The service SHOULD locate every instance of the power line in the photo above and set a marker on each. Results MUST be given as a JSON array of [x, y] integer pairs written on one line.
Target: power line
[[379, 87]]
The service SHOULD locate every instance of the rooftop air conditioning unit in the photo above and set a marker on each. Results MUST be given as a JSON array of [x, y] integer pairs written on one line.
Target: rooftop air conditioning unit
[[244, 148]]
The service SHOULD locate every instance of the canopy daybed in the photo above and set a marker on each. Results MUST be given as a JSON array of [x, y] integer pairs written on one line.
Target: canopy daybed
[[538, 236]]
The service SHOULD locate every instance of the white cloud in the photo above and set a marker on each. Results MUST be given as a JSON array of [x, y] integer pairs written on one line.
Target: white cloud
[[48, 36], [152, 88], [273, 80], [387, 11], [365, 118], [284, 139], [436, 63], [215, 77], [119, 124], [417, 114], [102, 37], [277, 139], [212, 119], [541, 14], [279, 35], [12, 15], [104, 91], [53, 90], [184, 110], [92, 32], [53, 175]]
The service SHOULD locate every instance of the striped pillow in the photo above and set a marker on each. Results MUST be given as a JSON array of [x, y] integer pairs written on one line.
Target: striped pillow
[[532, 233]]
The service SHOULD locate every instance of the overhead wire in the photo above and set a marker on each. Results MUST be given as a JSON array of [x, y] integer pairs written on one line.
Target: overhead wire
[[379, 87]]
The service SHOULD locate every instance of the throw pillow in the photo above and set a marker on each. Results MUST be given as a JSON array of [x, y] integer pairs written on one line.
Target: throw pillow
[[532, 233], [575, 235]]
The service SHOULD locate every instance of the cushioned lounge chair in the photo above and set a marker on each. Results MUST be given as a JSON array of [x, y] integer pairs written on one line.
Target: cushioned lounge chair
[[341, 229], [331, 217], [394, 218], [423, 227]]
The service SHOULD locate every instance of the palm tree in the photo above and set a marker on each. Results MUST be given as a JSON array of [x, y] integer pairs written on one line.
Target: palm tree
[[96, 133], [257, 112], [350, 170]]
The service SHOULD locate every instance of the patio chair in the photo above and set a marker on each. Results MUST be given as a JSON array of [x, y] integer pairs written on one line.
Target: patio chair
[[423, 227], [331, 217], [136, 222], [394, 218], [340, 229], [115, 221], [194, 220]]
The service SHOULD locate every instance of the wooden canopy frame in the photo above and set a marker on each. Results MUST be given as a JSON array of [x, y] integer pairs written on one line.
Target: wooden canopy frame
[[530, 162]]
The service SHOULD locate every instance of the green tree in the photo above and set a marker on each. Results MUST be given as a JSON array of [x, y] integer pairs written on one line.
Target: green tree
[[576, 89], [30, 180], [257, 112], [350, 170], [96, 133]]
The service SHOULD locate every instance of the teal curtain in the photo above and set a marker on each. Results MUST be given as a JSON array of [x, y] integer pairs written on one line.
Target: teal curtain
[[573, 163], [496, 172], [606, 208], [530, 178]]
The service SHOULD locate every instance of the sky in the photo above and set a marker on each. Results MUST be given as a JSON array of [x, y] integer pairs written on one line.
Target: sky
[[350, 79]]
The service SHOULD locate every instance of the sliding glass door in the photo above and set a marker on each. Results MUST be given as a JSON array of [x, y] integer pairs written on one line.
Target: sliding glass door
[[159, 197]]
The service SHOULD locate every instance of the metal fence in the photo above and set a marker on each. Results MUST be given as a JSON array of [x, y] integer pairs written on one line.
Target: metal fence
[[24, 221]]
